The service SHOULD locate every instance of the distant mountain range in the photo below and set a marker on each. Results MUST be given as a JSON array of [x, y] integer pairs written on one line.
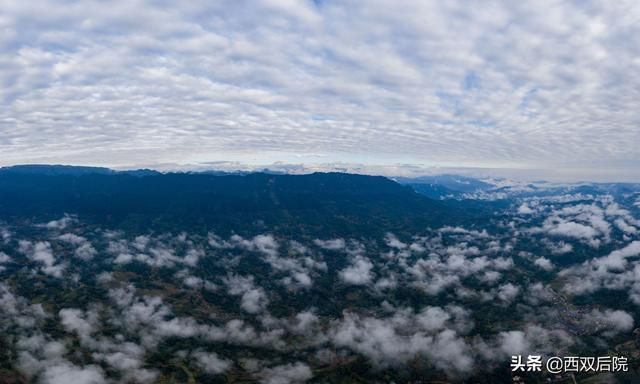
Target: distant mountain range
[[434, 186], [442, 187], [56, 170], [319, 203]]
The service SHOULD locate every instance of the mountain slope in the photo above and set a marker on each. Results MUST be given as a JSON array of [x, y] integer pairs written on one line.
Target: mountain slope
[[320, 202]]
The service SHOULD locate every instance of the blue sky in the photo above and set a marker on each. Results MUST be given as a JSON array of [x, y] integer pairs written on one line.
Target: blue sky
[[541, 85]]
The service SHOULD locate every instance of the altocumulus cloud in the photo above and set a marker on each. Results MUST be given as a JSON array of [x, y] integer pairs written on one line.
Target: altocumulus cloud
[[508, 83]]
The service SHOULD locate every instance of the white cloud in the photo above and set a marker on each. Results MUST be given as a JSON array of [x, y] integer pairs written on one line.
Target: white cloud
[[537, 293], [514, 342], [524, 209], [205, 81], [625, 227], [75, 320], [260, 243], [572, 229], [532, 339], [359, 273], [118, 334], [331, 244], [40, 356], [60, 224], [586, 223], [253, 299], [612, 322], [210, 362], [433, 333], [613, 271], [84, 251], [155, 252], [41, 252], [68, 373], [559, 248], [446, 267], [4, 258], [508, 292], [286, 374], [543, 263], [393, 242]]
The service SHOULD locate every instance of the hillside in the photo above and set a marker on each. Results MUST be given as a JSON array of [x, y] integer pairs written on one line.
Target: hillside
[[319, 202]]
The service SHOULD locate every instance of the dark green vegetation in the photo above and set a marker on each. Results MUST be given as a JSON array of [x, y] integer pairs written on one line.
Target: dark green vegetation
[[328, 204], [140, 277]]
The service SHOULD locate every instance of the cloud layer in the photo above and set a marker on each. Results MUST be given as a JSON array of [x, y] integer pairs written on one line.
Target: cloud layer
[[143, 82], [556, 273]]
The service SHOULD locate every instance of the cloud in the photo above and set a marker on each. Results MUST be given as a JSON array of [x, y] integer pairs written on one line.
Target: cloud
[[196, 282], [39, 356], [531, 339], [17, 311], [4, 259], [359, 273], [625, 227], [179, 84], [508, 292], [68, 373], [513, 343], [447, 266], [559, 248], [153, 251], [538, 293], [128, 358], [331, 244], [84, 251], [60, 224], [587, 223], [260, 243], [543, 263], [299, 268], [524, 209], [286, 374], [75, 320], [393, 242], [114, 337], [613, 271], [572, 229], [41, 253], [253, 299], [433, 333], [150, 319], [612, 322], [210, 362]]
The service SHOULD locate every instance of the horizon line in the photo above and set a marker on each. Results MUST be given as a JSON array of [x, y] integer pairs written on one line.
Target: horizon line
[[359, 169]]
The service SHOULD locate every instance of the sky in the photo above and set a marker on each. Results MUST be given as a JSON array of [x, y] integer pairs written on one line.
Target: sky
[[548, 87]]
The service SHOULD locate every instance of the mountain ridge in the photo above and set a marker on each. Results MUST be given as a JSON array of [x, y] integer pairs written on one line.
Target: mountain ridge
[[309, 202]]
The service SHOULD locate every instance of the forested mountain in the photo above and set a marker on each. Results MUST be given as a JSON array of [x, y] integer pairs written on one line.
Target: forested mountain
[[145, 277], [316, 202]]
